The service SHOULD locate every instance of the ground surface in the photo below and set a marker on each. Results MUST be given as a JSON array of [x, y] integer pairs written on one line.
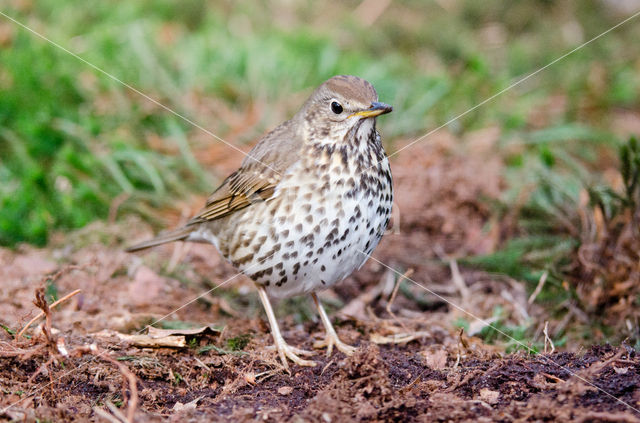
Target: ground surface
[[412, 363]]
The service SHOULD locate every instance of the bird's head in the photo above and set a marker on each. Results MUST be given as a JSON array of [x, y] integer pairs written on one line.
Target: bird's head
[[343, 105]]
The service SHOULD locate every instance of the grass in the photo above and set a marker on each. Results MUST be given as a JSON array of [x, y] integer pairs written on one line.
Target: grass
[[72, 139], [74, 143]]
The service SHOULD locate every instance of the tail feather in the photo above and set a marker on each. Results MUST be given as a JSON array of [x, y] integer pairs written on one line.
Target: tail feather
[[175, 235]]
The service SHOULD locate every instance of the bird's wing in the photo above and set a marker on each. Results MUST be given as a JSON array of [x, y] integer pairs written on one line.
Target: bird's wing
[[257, 177]]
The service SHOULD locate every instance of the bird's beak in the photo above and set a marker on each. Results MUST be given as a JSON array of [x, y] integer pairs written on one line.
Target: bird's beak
[[376, 109]]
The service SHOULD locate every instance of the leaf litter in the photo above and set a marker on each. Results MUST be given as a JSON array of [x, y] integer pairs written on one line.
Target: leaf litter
[[95, 356]]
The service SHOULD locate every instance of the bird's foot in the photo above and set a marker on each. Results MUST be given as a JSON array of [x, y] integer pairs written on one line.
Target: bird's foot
[[332, 340], [286, 351]]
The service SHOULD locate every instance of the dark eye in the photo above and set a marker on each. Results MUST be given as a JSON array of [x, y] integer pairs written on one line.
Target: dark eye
[[336, 107]]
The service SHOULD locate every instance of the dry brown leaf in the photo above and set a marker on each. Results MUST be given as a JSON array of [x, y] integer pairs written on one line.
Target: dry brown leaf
[[191, 405], [489, 396], [161, 333], [436, 360], [145, 341], [397, 338], [285, 390]]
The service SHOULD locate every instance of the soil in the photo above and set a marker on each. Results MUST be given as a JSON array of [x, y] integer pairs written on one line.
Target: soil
[[412, 362]]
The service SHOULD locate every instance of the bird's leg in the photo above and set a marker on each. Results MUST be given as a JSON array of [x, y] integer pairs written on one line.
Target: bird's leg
[[331, 338], [284, 350]]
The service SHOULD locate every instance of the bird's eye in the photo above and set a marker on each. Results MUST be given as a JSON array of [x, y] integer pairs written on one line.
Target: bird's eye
[[336, 107]]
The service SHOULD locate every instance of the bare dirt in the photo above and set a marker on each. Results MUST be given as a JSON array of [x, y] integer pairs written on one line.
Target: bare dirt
[[412, 362]]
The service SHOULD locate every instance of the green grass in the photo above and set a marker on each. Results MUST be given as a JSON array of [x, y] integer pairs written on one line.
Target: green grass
[[72, 139], [511, 336]]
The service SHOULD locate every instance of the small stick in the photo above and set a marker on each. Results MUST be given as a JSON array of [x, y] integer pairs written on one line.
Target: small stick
[[39, 315], [115, 205], [405, 275], [547, 339], [458, 280], [127, 375], [539, 287]]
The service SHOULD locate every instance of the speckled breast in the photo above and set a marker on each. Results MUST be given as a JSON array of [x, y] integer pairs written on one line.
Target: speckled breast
[[327, 215]]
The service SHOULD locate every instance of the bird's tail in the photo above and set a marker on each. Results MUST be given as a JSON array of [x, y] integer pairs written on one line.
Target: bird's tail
[[175, 235]]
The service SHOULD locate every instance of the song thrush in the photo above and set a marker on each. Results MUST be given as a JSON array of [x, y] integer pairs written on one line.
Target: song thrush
[[308, 204]]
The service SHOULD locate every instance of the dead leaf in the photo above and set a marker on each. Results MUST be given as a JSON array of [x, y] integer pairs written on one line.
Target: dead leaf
[[476, 326], [145, 341], [398, 338], [285, 390], [161, 333], [191, 405], [621, 370], [489, 396], [436, 360]]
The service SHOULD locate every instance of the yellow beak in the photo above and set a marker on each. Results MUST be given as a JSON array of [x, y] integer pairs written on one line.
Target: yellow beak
[[376, 109]]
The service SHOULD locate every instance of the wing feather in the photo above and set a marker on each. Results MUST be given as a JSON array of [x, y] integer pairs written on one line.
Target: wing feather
[[257, 177]]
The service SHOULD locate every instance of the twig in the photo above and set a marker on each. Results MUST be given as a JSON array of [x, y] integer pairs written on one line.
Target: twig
[[41, 303], [128, 376], [115, 205], [457, 279], [539, 287], [394, 293], [42, 313], [547, 340]]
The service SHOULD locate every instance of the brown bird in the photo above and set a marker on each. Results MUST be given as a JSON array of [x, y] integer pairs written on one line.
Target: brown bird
[[307, 206]]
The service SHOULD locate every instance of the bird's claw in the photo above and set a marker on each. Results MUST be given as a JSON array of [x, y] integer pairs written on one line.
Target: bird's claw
[[286, 351], [331, 340]]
